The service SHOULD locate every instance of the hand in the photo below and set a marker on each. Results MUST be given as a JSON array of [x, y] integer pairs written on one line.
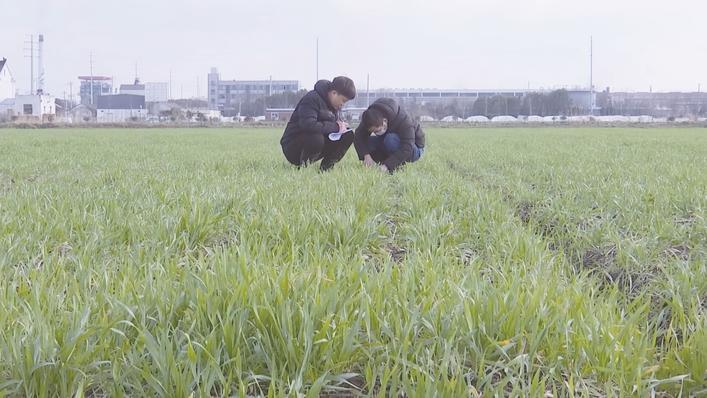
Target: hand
[[343, 126], [384, 168], [368, 161]]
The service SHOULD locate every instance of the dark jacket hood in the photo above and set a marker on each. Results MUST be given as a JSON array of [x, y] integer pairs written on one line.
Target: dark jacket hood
[[322, 88], [388, 107]]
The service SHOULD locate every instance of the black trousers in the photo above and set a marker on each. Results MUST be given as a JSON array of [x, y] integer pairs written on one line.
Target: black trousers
[[309, 148]]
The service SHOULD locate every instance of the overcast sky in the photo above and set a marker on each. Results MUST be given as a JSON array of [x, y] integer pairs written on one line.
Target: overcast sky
[[407, 44]]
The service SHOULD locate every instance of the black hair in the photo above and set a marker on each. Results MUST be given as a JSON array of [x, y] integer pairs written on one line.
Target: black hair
[[344, 86], [372, 117]]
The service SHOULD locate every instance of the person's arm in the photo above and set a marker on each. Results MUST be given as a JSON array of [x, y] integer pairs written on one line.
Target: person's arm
[[361, 142], [407, 146], [308, 113]]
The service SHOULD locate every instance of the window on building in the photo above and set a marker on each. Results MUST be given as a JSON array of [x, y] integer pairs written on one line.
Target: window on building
[[27, 109]]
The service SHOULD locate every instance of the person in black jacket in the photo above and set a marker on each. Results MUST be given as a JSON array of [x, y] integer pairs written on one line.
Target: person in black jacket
[[388, 136], [315, 130]]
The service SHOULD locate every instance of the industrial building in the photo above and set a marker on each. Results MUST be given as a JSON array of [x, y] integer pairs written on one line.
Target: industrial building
[[120, 108], [35, 107], [153, 92], [226, 95], [579, 97], [674, 104], [93, 87]]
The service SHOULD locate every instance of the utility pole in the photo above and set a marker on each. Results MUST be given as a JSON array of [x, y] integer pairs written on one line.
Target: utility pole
[[591, 75]]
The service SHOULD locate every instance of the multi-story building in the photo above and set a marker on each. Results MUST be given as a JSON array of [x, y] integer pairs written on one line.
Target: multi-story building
[[153, 92], [157, 92], [93, 87], [227, 95]]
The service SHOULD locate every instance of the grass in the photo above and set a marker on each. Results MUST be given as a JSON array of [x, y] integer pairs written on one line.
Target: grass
[[510, 262]]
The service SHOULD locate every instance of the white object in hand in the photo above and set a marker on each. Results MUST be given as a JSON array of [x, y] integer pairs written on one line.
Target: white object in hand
[[335, 136]]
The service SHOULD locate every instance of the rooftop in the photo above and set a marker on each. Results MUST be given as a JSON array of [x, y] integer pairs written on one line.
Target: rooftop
[[120, 101]]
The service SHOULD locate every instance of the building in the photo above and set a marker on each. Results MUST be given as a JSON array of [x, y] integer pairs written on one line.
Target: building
[[674, 104], [278, 114], [459, 102], [364, 98], [7, 81], [35, 107], [120, 108], [133, 89], [93, 87], [153, 92], [156, 92], [226, 95]]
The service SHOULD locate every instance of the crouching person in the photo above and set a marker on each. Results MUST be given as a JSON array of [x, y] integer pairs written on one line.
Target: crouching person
[[388, 136], [315, 130]]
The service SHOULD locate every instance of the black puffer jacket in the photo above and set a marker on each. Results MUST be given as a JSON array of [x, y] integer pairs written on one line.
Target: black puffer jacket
[[399, 122], [312, 115]]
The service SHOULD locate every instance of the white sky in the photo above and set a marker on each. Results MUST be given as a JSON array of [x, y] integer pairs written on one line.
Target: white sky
[[410, 44]]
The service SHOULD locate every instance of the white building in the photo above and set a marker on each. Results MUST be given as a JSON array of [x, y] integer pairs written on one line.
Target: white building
[[156, 92], [7, 82], [153, 92], [35, 106], [120, 108]]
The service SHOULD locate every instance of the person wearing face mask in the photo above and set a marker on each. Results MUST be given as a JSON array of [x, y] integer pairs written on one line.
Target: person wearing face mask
[[316, 130], [388, 136]]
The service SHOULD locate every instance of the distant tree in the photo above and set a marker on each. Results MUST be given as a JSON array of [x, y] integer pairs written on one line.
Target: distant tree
[[532, 104], [558, 102], [497, 106], [480, 106]]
